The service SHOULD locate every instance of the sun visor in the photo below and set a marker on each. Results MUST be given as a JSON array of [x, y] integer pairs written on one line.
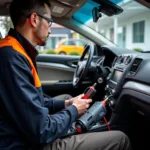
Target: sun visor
[[59, 10], [144, 2], [74, 3]]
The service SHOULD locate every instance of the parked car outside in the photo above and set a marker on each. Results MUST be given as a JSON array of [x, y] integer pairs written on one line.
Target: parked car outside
[[68, 46]]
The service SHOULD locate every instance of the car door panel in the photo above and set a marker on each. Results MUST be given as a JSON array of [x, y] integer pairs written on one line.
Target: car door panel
[[56, 74]]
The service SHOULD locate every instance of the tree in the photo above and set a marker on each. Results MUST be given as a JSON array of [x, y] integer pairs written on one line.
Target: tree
[[6, 23]]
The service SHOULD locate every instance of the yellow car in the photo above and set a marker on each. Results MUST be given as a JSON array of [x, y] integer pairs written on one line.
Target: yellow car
[[68, 46]]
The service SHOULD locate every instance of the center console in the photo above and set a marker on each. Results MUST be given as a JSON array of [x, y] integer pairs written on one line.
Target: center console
[[118, 72]]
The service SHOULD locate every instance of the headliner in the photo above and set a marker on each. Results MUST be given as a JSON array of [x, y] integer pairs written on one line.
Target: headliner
[[60, 8]]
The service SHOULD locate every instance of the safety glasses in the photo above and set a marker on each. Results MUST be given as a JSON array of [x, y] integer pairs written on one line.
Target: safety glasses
[[49, 20]]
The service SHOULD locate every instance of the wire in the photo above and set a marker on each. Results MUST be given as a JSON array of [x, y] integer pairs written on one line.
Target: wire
[[106, 123]]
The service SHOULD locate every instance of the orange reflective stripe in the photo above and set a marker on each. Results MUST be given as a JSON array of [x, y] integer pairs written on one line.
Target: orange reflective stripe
[[10, 41]]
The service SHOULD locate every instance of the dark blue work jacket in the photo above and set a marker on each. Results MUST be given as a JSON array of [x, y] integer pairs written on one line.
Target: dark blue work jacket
[[28, 120]]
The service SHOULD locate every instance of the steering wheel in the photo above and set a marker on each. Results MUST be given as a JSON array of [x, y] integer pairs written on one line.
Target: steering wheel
[[83, 65]]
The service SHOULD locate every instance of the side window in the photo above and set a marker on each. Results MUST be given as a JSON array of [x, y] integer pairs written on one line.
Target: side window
[[71, 42], [80, 43], [63, 41]]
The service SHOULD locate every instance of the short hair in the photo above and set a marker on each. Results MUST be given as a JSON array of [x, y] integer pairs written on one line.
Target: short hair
[[20, 9]]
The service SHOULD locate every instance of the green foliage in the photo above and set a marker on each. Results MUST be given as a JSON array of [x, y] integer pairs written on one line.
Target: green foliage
[[138, 49], [6, 23], [74, 53], [40, 52], [51, 51]]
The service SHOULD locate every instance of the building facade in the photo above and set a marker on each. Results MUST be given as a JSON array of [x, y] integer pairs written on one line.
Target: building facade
[[128, 30]]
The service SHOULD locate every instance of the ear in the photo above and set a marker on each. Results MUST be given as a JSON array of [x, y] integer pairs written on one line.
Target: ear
[[33, 19]]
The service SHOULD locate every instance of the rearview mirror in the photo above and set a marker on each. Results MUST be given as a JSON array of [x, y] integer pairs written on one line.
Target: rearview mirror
[[96, 14], [106, 7]]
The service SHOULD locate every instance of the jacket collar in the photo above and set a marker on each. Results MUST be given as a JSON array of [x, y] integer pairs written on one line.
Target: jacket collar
[[29, 48]]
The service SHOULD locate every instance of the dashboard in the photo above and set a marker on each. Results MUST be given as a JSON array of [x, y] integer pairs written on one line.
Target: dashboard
[[129, 78], [128, 88]]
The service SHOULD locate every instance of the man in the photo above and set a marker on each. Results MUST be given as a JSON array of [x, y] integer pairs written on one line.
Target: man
[[27, 119]]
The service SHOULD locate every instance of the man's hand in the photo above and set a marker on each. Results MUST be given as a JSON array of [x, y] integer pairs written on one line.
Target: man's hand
[[81, 104], [69, 102]]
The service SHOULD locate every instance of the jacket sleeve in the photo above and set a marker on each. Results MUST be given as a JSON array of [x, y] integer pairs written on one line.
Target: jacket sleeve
[[53, 104], [26, 109]]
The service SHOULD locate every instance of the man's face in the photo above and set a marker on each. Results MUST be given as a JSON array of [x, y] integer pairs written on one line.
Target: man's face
[[43, 29]]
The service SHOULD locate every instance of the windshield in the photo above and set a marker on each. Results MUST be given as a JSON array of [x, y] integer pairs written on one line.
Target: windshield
[[130, 29]]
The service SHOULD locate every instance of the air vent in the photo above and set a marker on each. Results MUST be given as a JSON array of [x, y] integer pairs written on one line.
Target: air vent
[[120, 59], [100, 61], [127, 60], [114, 62], [135, 66]]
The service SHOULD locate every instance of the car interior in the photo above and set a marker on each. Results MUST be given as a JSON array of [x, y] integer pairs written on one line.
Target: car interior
[[121, 74]]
